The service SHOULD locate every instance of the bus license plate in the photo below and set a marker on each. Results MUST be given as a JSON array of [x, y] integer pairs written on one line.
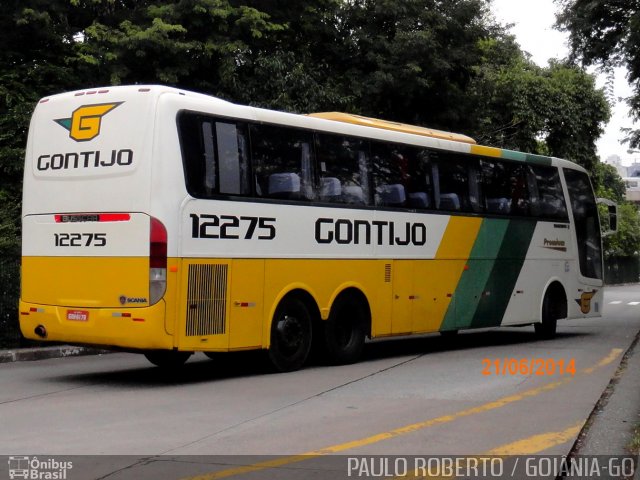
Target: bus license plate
[[78, 315]]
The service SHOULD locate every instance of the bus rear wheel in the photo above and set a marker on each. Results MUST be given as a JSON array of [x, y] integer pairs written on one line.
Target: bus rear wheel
[[290, 335], [345, 330], [167, 359]]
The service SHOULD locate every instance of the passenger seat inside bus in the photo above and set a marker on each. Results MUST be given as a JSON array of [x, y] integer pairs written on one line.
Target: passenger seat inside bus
[[419, 200], [284, 185], [449, 201], [353, 194], [330, 190], [391, 195]]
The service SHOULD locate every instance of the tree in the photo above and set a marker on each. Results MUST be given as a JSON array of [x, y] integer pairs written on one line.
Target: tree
[[195, 44], [626, 241], [607, 33], [608, 183], [413, 60], [555, 110]]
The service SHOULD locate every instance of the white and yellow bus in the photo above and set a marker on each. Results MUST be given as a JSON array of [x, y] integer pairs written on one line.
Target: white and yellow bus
[[168, 222]]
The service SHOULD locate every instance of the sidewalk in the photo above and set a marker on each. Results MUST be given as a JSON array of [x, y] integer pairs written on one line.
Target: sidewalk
[[42, 353], [609, 429]]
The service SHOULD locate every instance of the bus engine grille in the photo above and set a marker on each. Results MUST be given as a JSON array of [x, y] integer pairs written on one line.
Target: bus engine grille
[[206, 300]]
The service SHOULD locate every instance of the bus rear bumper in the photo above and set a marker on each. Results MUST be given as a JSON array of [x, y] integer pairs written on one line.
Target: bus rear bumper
[[134, 328]]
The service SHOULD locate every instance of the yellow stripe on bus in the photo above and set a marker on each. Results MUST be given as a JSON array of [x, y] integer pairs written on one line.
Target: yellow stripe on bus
[[449, 264], [486, 151]]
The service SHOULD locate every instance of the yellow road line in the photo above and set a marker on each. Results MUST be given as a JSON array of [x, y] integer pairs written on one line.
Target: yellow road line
[[537, 443], [605, 361], [405, 429], [526, 446]]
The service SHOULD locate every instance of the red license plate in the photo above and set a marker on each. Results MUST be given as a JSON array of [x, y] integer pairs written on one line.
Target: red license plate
[[78, 315]]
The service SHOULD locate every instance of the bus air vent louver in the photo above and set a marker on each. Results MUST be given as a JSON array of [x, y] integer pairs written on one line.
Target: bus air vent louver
[[387, 272], [206, 300]]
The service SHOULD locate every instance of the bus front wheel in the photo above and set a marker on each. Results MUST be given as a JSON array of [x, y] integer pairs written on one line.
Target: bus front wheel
[[290, 335], [554, 307]]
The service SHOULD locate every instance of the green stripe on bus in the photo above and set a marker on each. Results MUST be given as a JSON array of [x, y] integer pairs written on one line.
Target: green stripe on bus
[[538, 159], [504, 274], [512, 155], [470, 288]]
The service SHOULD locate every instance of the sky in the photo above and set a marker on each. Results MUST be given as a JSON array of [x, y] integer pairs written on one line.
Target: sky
[[533, 28]]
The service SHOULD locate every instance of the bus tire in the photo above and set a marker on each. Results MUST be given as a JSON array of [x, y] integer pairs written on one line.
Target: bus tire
[[345, 330], [554, 307], [167, 359], [449, 333], [290, 335]]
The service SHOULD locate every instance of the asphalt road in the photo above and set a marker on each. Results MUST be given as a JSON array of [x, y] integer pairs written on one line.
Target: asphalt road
[[419, 396]]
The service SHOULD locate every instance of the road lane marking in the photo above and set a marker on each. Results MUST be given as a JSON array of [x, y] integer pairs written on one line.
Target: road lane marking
[[526, 446], [341, 447], [537, 443], [615, 352], [615, 302], [633, 303]]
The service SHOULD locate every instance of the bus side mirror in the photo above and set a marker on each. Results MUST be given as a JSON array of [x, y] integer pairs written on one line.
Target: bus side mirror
[[612, 216]]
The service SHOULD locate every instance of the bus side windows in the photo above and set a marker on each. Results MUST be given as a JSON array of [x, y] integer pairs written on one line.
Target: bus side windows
[[233, 161], [454, 184], [550, 197], [506, 187], [403, 176], [496, 184], [391, 173], [282, 162], [215, 156], [344, 169], [520, 194]]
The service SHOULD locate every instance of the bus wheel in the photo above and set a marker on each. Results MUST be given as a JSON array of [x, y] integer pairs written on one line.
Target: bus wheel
[[345, 330], [554, 307], [167, 358], [449, 333], [290, 335]]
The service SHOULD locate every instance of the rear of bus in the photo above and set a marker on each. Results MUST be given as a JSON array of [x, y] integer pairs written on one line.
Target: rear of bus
[[94, 259]]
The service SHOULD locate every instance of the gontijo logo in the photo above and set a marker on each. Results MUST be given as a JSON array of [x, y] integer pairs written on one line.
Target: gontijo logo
[[85, 122]]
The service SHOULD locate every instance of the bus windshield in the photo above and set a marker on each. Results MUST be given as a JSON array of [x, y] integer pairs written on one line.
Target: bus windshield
[[587, 225]]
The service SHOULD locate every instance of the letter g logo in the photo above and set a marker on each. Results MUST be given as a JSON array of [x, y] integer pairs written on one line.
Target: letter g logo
[[85, 121]]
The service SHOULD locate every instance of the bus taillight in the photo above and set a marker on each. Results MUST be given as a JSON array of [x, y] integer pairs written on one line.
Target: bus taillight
[[157, 261]]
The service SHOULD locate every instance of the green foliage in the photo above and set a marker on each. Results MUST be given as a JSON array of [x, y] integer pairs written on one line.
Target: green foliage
[[522, 104], [196, 44], [626, 242], [414, 60], [607, 33], [608, 183]]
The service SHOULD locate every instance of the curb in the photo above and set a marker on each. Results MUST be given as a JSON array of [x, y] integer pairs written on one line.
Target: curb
[[609, 427], [43, 353]]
